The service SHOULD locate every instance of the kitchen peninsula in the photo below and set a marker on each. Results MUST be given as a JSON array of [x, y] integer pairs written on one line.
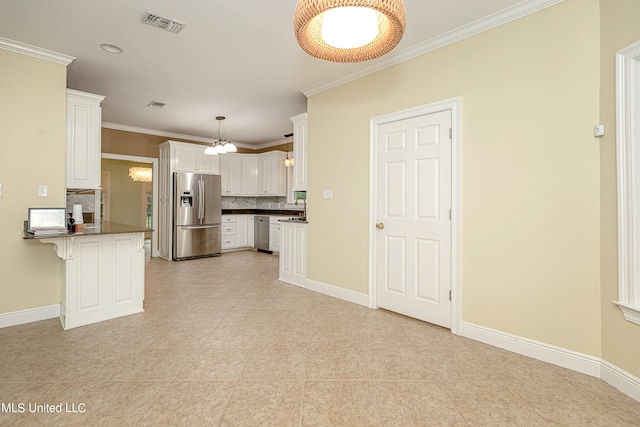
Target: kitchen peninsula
[[104, 272]]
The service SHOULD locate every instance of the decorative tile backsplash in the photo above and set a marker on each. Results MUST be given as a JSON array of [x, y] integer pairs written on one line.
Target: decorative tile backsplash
[[253, 202]]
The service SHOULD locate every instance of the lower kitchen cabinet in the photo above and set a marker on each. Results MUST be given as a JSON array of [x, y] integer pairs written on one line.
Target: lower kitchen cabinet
[[237, 232], [274, 234], [293, 253]]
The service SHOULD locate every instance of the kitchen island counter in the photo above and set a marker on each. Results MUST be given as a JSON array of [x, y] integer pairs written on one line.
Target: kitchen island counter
[[104, 272]]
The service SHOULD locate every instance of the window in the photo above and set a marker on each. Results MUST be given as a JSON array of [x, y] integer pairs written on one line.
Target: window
[[628, 170]]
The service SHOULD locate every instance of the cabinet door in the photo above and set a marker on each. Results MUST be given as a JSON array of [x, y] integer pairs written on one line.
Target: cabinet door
[[251, 231], [242, 236], [272, 174], [300, 152], [231, 173], [185, 158], [274, 238], [249, 175], [83, 141], [206, 163]]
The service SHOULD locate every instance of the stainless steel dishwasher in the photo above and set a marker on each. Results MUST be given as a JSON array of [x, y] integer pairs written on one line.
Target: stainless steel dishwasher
[[261, 233]]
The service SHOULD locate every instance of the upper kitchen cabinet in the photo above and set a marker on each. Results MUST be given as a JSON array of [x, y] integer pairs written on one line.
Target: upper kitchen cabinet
[[272, 176], [191, 158], [84, 121], [299, 152], [231, 173]]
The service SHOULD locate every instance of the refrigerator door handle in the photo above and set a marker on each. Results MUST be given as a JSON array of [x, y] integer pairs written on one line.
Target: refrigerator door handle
[[200, 199], [191, 227]]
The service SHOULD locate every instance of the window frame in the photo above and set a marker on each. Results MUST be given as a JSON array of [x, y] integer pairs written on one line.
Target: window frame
[[628, 174]]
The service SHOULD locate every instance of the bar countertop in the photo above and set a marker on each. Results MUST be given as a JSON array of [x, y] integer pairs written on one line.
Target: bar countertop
[[104, 227]]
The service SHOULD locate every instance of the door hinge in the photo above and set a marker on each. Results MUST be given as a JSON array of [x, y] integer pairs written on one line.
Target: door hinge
[[449, 214], [449, 295], [450, 133]]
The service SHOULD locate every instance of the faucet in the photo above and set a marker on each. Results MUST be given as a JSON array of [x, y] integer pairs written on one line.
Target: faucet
[[304, 200]]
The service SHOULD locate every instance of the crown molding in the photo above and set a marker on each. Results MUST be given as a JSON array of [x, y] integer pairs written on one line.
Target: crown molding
[[502, 17], [35, 52], [172, 135]]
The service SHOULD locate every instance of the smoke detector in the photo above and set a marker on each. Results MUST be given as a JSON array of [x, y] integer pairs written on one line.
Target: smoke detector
[[164, 22]]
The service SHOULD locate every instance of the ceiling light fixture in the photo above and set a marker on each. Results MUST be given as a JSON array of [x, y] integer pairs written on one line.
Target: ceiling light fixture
[[221, 146], [111, 48], [349, 30], [138, 174], [288, 162]]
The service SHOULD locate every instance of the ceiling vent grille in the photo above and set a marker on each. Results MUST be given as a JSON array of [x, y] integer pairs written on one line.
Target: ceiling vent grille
[[156, 104], [157, 20]]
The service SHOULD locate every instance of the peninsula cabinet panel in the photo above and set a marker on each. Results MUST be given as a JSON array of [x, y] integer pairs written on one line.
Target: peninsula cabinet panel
[[83, 140], [104, 278]]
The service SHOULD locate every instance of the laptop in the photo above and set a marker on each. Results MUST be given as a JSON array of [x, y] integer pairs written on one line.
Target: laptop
[[47, 221]]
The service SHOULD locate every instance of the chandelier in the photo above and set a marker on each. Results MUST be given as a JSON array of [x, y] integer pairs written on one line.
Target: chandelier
[[138, 174], [349, 30], [221, 146]]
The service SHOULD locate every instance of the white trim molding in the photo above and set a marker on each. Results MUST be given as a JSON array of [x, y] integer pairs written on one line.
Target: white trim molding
[[337, 292], [583, 363], [502, 17], [628, 171], [36, 52], [29, 315]]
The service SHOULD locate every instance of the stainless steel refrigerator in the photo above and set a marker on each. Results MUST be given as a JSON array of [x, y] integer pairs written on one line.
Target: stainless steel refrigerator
[[196, 215]]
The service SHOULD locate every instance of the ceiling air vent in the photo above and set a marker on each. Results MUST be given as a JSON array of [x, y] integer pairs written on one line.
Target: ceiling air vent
[[157, 20], [156, 104]]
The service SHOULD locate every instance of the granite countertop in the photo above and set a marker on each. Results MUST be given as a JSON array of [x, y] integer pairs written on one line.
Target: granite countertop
[[295, 221], [291, 212], [104, 227]]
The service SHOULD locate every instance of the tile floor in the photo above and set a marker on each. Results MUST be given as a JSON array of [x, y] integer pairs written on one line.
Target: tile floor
[[223, 343]]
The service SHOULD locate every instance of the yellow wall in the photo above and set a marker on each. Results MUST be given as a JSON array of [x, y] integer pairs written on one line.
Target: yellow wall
[[530, 181], [32, 153], [127, 198], [620, 339]]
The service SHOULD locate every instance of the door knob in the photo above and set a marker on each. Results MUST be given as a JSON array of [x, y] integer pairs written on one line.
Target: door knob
[[380, 225]]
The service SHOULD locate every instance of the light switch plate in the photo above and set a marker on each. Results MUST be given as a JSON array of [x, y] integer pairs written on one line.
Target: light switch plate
[[42, 191], [327, 194]]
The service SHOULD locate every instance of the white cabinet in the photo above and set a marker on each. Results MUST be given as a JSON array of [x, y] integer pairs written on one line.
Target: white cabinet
[[293, 253], [191, 158], [272, 180], [299, 152], [231, 173], [229, 231], [104, 277], [249, 174], [274, 234], [83, 141], [237, 232], [251, 223]]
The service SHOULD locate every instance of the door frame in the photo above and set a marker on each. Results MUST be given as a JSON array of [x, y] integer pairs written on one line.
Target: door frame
[[452, 104], [154, 185]]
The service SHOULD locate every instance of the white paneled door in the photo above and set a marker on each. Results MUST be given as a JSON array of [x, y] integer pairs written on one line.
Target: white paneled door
[[413, 236]]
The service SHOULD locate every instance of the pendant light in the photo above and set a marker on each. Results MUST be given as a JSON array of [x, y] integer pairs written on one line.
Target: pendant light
[[349, 30], [288, 162], [221, 146]]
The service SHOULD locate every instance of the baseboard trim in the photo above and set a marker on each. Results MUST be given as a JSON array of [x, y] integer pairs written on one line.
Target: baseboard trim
[[589, 365], [623, 381], [29, 315], [337, 292], [538, 350]]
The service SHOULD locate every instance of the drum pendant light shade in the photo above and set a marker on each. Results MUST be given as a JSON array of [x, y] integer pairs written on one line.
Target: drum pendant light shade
[[362, 45]]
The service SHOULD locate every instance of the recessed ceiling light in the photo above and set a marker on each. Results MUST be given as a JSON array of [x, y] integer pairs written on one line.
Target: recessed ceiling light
[[111, 48]]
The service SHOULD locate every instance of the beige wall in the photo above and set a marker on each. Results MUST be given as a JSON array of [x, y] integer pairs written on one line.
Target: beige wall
[[127, 198], [620, 339], [530, 181], [32, 153]]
